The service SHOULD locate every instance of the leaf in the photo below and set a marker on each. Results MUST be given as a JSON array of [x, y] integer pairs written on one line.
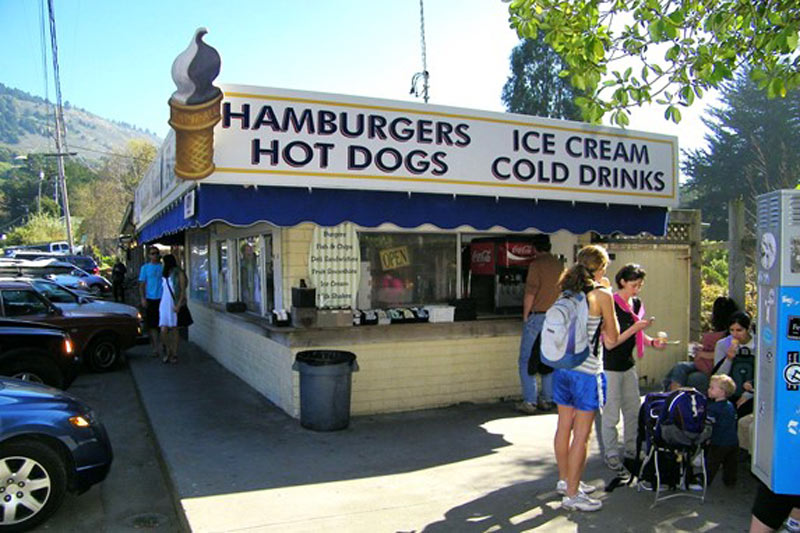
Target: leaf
[[688, 95], [791, 40]]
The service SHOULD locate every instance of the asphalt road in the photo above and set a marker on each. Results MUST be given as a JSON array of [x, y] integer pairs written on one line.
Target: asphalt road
[[135, 495]]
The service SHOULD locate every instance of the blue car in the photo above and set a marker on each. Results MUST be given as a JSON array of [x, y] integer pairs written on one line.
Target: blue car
[[50, 443]]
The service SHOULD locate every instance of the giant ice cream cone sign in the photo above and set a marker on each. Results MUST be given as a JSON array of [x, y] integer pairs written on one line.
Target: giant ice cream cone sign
[[195, 108]]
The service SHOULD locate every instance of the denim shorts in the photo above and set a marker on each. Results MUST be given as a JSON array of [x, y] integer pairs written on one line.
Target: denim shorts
[[584, 392]]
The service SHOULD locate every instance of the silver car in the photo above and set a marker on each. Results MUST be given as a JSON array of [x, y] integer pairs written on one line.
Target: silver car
[[78, 304]]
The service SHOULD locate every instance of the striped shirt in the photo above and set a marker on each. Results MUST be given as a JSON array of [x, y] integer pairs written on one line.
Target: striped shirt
[[593, 365]]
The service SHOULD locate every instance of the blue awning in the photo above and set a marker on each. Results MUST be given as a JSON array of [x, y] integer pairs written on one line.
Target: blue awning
[[284, 206]]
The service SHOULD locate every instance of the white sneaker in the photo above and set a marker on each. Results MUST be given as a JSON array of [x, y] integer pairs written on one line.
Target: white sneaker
[[561, 487], [581, 502], [644, 485]]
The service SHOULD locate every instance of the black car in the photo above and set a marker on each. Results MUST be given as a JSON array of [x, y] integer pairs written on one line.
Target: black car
[[50, 443], [37, 352]]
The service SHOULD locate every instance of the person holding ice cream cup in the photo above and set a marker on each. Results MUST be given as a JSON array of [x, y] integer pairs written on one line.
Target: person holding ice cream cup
[[619, 366]]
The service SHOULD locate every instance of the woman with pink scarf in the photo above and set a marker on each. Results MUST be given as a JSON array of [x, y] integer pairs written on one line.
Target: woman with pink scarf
[[620, 368]]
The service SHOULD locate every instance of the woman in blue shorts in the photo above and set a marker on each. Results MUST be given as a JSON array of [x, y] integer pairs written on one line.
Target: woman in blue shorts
[[580, 391]]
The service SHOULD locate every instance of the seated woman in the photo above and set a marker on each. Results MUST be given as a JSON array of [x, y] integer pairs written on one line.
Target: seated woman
[[696, 373], [734, 355]]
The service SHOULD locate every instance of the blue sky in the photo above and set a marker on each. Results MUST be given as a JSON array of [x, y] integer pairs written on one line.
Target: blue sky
[[115, 56]]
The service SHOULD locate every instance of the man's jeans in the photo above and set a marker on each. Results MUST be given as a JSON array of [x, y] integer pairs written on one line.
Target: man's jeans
[[531, 330]]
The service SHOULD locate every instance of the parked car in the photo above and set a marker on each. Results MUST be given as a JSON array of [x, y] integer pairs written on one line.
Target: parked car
[[76, 302], [84, 262], [99, 338], [57, 270], [37, 352], [50, 443]]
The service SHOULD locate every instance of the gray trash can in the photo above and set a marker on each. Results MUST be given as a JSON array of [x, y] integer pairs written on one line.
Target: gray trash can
[[325, 377]]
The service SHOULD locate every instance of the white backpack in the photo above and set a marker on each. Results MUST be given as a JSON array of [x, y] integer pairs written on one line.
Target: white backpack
[[564, 341]]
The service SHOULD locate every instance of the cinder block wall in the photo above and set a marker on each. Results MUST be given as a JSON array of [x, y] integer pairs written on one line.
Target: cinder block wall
[[295, 242], [244, 350], [425, 374]]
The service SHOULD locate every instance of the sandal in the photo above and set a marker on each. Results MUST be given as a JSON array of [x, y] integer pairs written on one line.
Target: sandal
[[165, 359]]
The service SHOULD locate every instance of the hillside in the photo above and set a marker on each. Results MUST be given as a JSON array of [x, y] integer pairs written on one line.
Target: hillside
[[26, 125]]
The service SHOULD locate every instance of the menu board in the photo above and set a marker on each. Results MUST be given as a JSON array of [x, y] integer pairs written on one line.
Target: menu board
[[333, 263]]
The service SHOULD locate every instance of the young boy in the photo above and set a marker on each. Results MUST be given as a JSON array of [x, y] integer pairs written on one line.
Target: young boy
[[724, 447]]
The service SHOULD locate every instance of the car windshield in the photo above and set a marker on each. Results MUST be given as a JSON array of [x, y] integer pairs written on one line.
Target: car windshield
[[54, 293]]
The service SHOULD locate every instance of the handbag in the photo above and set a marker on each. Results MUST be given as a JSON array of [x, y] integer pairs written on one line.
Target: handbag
[[184, 315]]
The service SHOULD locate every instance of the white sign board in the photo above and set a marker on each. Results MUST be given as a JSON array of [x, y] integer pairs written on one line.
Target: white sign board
[[302, 139], [334, 265]]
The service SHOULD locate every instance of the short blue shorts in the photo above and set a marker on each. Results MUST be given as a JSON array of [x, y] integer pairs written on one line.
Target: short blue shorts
[[578, 389]]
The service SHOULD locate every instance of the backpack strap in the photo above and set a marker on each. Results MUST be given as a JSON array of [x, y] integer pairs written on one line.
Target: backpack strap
[[596, 337]]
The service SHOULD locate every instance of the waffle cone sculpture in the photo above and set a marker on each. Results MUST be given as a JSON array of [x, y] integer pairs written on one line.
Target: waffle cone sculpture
[[194, 137], [195, 108]]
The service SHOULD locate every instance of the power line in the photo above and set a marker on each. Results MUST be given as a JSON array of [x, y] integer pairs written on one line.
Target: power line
[[106, 152], [43, 46]]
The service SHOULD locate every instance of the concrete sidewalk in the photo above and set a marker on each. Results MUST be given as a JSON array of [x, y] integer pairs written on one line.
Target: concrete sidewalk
[[237, 463]]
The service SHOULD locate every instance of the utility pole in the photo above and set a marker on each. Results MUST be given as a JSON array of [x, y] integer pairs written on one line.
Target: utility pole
[[60, 130]]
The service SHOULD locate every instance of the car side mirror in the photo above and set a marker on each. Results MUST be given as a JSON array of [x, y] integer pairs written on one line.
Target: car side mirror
[[56, 311], [84, 300]]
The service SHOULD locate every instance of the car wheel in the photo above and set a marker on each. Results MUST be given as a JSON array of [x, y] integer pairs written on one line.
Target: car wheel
[[33, 480], [102, 355], [27, 366]]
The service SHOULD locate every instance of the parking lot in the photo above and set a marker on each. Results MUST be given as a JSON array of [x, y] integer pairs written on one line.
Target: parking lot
[[135, 496]]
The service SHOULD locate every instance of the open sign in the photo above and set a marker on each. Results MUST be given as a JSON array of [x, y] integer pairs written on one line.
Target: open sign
[[394, 257]]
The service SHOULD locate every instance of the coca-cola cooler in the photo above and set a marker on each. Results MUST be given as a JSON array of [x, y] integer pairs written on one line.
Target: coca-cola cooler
[[497, 272]]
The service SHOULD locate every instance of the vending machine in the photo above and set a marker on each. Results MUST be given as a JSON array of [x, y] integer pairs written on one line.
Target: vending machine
[[776, 453]]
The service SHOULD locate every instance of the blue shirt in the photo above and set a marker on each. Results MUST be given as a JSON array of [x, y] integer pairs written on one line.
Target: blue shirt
[[723, 415], [150, 274]]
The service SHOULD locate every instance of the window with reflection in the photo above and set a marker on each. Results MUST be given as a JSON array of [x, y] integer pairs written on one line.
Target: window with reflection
[[407, 269], [219, 275], [198, 266], [250, 273]]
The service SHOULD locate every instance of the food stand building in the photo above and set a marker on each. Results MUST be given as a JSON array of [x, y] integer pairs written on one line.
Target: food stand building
[[391, 206]]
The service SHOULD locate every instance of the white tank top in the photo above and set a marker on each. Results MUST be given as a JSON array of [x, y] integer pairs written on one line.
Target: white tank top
[[593, 365]]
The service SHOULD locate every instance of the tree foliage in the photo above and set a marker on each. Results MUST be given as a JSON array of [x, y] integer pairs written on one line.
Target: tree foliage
[[101, 203], [752, 149], [681, 48], [535, 87], [43, 227]]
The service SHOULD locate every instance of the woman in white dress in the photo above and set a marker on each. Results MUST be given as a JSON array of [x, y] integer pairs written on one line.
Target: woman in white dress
[[172, 298]]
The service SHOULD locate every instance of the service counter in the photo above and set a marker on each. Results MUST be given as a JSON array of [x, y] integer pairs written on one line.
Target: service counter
[[401, 366]]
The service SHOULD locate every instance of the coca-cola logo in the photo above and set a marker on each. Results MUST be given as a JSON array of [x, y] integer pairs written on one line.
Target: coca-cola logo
[[481, 256], [521, 249]]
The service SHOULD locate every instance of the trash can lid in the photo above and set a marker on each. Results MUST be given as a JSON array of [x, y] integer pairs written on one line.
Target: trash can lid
[[325, 357]]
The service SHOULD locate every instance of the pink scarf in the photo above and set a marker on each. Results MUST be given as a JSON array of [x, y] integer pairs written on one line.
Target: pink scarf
[[620, 301]]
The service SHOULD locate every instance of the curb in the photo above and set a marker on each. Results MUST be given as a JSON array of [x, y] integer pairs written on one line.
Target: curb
[[153, 437]]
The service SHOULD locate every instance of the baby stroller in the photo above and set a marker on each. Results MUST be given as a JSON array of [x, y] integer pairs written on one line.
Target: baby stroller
[[673, 432]]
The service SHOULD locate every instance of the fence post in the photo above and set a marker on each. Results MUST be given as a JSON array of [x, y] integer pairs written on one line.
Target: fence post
[[736, 254]]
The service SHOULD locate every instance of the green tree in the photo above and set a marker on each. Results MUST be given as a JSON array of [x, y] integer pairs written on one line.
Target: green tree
[[681, 48], [752, 149], [39, 228], [102, 202], [535, 87]]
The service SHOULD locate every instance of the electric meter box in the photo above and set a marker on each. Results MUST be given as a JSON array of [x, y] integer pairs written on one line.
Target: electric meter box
[[776, 453]]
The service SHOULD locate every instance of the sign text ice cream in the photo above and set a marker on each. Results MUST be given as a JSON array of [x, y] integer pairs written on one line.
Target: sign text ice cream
[[299, 139]]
